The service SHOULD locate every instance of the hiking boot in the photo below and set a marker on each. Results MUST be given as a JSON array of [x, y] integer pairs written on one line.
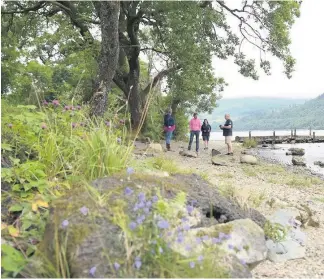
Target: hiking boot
[[168, 146]]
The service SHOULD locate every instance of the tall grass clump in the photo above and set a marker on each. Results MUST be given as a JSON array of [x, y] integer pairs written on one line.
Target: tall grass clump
[[249, 143]]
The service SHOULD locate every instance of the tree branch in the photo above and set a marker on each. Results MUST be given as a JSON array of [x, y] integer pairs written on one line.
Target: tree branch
[[34, 8]]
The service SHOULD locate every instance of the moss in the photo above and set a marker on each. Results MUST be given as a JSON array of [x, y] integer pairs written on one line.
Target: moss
[[216, 230], [246, 248]]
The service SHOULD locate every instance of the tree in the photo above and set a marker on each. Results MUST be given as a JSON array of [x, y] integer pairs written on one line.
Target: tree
[[182, 36]]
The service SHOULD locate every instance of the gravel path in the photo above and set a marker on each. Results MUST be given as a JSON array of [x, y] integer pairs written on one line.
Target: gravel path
[[266, 184]]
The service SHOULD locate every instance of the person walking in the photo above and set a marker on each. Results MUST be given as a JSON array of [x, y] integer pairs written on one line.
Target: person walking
[[205, 130], [169, 127], [195, 126], [227, 133]]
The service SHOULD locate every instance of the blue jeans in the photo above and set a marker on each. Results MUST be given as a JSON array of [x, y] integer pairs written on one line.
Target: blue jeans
[[192, 134], [168, 136]]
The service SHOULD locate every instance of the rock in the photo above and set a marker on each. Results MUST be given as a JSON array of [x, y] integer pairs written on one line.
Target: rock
[[248, 159], [293, 246], [288, 153], [215, 152], [155, 147], [187, 153], [156, 173], [86, 238], [307, 217], [319, 163], [218, 161], [297, 161], [265, 145], [297, 151]]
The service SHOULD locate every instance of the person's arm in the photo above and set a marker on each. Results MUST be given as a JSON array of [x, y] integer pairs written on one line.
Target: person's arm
[[228, 125]]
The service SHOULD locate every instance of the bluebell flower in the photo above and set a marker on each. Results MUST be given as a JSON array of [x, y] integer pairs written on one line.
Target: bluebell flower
[[221, 235], [140, 219], [160, 250], [116, 266], [216, 240], [92, 271], [155, 198], [198, 240], [200, 258], [243, 261], [130, 170], [180, 238], [230, 246], [146, 210], [148, 204], [188, 248], [190, 208], [184, 219], [186, 227], [138, 263], [192, 264], [128, 191], [132, 225], [141, 197], [84, 210], [163, 224], [65, 223], [205, 237]]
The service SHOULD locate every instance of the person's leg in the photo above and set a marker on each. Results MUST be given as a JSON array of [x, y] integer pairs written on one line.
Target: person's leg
[[197, 140], [168, 139], [230, 148], [190, 140]]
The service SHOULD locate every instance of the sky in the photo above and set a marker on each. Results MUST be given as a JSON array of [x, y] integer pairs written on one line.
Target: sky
[[307, 48]]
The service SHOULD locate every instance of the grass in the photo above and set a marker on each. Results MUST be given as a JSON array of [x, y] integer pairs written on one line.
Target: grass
[[249, 143], [225, 175], [300, 181], [319, 199]]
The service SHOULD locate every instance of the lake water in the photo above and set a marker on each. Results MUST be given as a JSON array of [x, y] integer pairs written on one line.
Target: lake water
[[313, 151]]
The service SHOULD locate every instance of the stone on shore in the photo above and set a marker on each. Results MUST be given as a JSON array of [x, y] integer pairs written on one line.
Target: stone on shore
[[319, 163], [188, 153], [215, 152], [298, 161], [219, 161], [297, 151], [248, 159], [155, 147]]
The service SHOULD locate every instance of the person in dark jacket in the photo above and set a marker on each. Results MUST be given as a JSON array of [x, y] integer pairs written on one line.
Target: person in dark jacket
[[169, 127], [205, 129]]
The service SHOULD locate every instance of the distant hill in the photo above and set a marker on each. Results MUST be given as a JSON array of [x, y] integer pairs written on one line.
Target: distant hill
[[246, 107], [299, 116]]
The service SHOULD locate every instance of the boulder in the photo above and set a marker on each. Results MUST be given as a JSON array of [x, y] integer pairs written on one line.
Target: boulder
[[241, 238], [86, 224], [297, 151], [187, 153], [218, 161], [247, 152], [298, 161], [319, 163], [293, 246], [288, 153], [215, 152], [155, 147], [248, 159]]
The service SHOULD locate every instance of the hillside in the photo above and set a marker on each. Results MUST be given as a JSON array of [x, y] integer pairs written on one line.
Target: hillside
[[302, 116], [241, 107]]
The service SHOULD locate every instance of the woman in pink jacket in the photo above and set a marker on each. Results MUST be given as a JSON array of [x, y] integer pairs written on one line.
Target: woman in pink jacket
[[195, 126]]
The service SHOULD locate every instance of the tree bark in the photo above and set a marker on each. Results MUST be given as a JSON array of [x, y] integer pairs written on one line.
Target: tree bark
[[108, 12]]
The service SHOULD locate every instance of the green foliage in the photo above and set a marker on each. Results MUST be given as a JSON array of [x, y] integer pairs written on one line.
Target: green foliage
[[11, 260], [164, 164], [250, 143], [43, 150], [275, 231]]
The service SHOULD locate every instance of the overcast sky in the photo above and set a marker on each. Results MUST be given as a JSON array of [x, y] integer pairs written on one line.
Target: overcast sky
[[307, 48]]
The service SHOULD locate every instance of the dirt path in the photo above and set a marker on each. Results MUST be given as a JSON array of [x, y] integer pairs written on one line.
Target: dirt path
[[255, 186]]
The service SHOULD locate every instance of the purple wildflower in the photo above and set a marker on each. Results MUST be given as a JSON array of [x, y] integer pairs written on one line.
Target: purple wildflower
[[200, 258], [198, 240], [138, 263], [121, 121], [186, 227], [140, 219], [184, 219], [180, 238], [155, 198], [10, 125], [205, 237], [119, 140], [230, 246], [130, 170], [55, 102], [192, 264], [65, 223], [92, 271], [45, 103], [82, 124], [146, 210], [43, 126], [160, 250], [128, 191], [163, 224], [243, 261], [74, 125], [221, 235], [188, 248], [227, 236], [141, 197], [141, 204], [66, 107], [190, 209], [132, 225], [78, 107], [84, 210], [169, 233], [216, 240], [194, 202], [107, 123], [116, 266], [148, 204]]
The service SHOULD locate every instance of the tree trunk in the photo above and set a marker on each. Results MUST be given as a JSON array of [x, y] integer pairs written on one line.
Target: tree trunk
[[108, 12]]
